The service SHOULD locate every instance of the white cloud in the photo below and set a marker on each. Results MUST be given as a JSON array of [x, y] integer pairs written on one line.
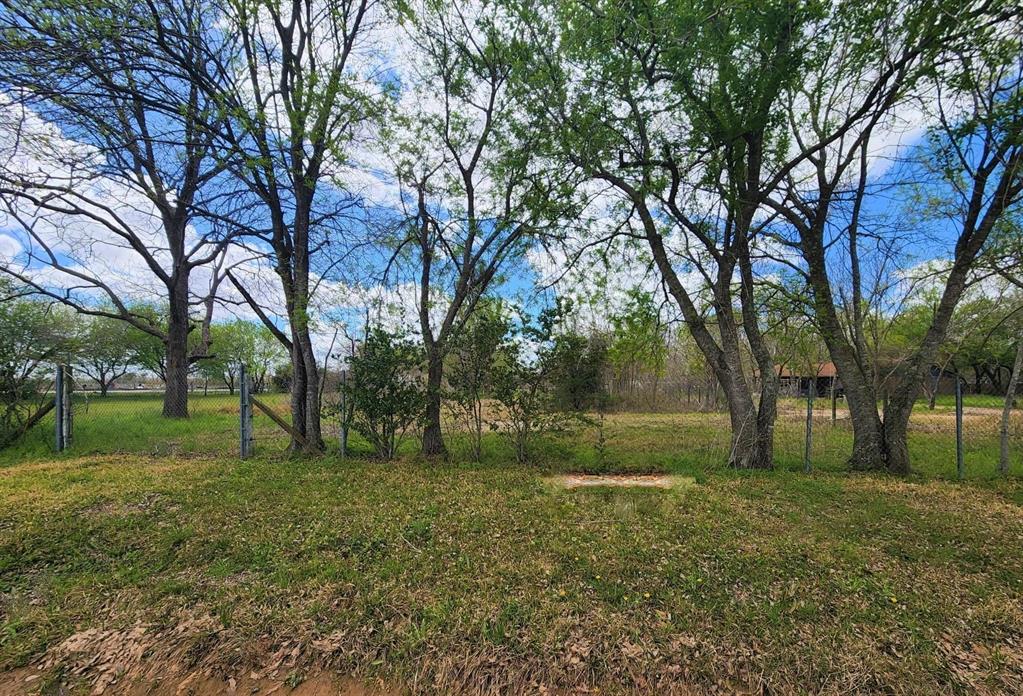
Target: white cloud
[[9, 249]]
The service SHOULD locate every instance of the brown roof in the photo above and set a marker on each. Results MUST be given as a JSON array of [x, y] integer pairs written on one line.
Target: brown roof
[[826, 369]]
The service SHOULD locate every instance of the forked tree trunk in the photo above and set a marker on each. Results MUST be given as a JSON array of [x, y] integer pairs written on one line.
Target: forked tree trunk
[[752, 437], [751, 447]]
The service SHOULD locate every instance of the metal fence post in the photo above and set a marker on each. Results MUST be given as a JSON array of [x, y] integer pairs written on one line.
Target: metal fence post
[[58, 404], [811, 392], [344, 414], [246, 413], [960, 464], [69, 411]]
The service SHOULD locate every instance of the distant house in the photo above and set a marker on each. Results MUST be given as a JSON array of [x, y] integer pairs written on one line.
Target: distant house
[[796, 381]]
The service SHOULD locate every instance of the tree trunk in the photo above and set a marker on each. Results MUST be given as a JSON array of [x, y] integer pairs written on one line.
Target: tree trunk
[[433, 437], [751, 448], [298, 389], [313, 434], [175, 396], [896, 443], [1010, 398], [296, 279]]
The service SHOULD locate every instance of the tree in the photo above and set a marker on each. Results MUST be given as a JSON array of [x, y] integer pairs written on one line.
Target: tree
[[294, 110], [105, 350], [1004, 256], [233, 345], [237, 343], [470, 368], [479, 194], [114, 155], [871, 65], [148, 351], [577, 371], [676, 108], [266, 353], [523, 372], [34, 335], [384, 389], [637, 342]]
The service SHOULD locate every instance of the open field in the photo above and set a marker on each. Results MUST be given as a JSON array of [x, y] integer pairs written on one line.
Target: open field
[[150, 550]]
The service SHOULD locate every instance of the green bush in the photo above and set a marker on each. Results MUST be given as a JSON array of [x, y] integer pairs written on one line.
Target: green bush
[[384, 389]]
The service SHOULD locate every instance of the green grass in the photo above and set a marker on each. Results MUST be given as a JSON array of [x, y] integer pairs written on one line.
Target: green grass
[[947, 401], [127, 422], [487, 576]]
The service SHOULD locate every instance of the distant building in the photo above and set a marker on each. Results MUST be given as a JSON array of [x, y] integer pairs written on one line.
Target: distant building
[[796, 381]]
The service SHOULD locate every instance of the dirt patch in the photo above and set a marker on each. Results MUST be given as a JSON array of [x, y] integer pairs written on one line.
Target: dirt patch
[[623, 481]]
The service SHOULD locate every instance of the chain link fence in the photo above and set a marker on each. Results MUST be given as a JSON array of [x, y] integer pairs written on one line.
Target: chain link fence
[[28, 407], [65, 411], [129, 419], [944, 441]]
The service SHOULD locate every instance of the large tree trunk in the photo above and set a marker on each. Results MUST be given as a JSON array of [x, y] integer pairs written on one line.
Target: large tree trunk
[[752, 447], [175, 396], [433, 436], [313, 433], [309, 391], [1010, 398], [298, 389]]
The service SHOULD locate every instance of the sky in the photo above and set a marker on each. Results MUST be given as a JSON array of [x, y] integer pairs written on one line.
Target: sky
[[346, 298]]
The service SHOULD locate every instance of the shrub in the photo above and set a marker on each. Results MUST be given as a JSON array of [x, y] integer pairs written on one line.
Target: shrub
[[384, 389]]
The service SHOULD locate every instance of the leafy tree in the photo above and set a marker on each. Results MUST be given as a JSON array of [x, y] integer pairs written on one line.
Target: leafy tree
[[470, 368], [105, 349], [295, 112], [237, 343], [232, 345], [1005, 257], [675, 108], [523, 385], [480, 191], [637, 342], [961, 63], [266, 352], [213, 369], [577, 371], [33, 336], [384, 389]]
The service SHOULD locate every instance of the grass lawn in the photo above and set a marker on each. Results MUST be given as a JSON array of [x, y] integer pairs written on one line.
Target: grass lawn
[[146, 546]]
